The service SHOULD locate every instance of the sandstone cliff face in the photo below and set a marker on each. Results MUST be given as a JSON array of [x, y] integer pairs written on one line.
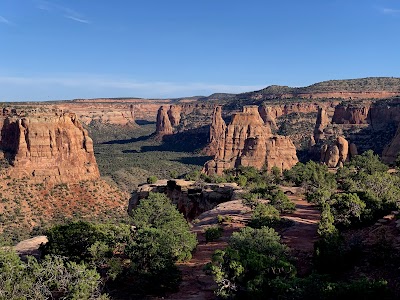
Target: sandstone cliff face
[[268, 114], [174, 114], [249, 142], [51, 147], [321, 123], [336, 154], [351, 114], [164, 125], [392, 150], [191, 199], [367, 112], [217, 133]]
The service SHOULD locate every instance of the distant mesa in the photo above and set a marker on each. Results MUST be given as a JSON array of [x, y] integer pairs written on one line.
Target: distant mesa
[[46, 146]]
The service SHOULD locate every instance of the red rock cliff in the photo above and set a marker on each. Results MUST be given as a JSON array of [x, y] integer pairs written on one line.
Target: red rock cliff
[[164, 125], [217, 132], [391, 151], [249, 142], [49, 147]]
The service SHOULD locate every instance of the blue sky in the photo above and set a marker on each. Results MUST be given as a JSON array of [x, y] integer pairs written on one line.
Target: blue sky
[[65, 49]]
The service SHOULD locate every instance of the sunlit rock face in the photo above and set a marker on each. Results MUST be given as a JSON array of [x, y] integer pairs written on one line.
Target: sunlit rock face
[[47, 147], [248, 141]]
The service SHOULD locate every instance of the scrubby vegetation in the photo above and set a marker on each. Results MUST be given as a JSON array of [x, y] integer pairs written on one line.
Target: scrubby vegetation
[[50, 278], [136, 155], [345, 264], [83, 260], [213, 233]]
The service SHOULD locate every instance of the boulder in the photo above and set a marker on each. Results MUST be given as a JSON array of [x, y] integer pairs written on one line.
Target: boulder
[[353, 150], [343, 146], [332, 156]]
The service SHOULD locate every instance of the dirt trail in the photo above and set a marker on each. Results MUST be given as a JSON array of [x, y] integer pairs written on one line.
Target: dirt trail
[[196, 285], [302, 235]]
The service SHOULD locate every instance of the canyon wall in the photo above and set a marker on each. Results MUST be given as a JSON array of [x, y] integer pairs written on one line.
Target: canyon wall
[[392, 150], [179, 117], [47, 147]]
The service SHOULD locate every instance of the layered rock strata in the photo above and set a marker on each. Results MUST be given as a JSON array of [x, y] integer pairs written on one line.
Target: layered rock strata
[[320, 125], [248, 141], [164, 126], [47, 147], [268, 114], [217, 132]]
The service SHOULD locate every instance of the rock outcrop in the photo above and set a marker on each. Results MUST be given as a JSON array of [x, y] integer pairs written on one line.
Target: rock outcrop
[[163, 126], [268, 115], [392, 150], [249, 142], [343, 146], [180, 117], [174, 114], [336, 154], [47, 147], [351, 114], [191, 199], [353, 150], [321, 123], [217, 132]]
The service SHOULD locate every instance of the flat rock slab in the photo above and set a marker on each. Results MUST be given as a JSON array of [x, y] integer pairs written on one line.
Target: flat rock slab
[[30, 246]]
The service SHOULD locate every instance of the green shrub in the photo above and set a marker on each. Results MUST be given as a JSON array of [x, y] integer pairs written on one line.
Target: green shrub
[[347, 208], [220, 219], [163, 237], [319, 197], [213, 233], [316, 287], [152, 179], [264, 215], [246, 267], [250, 200], [157, 211], [282, 203], [51, 277], [242, 180]]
